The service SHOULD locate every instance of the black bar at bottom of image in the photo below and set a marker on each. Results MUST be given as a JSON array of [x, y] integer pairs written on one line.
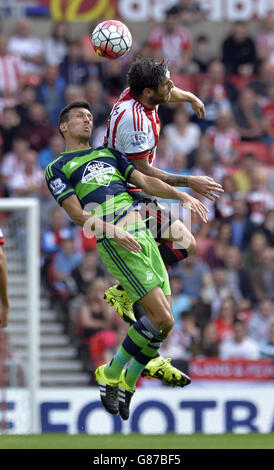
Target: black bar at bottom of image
[[208, 458]]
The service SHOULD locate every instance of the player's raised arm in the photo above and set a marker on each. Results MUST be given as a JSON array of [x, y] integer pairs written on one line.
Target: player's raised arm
[[178, 96], [155, 187], [80, 217], [204, 185], [4, 299]]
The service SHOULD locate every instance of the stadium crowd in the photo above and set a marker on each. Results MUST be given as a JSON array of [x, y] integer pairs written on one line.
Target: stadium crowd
[[223, 296]]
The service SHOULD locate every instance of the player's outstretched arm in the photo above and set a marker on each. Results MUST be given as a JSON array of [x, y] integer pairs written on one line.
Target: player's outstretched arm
[[4, 298], [179, 96], [204, 185], [100, 228], [156, 187]]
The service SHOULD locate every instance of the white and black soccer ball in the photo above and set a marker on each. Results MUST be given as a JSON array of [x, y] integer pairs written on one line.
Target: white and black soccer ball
[[111, 39]]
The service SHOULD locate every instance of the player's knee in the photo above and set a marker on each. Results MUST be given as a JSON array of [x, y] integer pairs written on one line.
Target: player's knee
[[167, 321]]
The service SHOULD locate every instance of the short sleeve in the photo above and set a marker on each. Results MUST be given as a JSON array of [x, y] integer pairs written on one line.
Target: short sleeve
[[58, 184]]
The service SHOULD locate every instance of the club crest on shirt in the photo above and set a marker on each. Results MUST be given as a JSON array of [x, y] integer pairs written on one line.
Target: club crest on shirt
[[57, 186], [138, 138], [98, 173]]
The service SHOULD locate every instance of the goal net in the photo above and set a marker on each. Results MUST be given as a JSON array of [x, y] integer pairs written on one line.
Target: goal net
[[19, 342]]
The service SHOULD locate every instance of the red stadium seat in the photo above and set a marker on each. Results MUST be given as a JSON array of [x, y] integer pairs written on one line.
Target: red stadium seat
[[259, 149]]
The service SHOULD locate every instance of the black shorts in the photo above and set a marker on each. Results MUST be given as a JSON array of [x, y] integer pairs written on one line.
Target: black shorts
[[159, 219]]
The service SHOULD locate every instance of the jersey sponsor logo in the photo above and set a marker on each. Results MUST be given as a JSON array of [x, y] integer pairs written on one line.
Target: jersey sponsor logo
[[138, 138], [98, 173], [57, 186], [149, 275]]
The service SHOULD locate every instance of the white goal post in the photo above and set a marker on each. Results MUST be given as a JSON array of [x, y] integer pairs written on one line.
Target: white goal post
[[32, 262]]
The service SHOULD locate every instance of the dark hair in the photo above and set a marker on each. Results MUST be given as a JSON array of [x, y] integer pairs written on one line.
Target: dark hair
[[63, 116], [146, 73]]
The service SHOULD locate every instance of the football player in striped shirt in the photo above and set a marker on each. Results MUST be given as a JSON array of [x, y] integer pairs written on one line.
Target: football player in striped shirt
[[4, 298], [133, 129], [91, 185]]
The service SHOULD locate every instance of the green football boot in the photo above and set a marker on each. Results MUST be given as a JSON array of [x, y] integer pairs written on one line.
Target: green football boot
[[108, 390], [125, 394], [118, 298], [163, 370]]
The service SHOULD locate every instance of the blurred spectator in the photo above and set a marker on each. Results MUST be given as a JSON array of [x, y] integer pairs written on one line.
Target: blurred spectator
[[224, 137], [225, 319], [212, 105], [208, 346], [192, 272], [14, 158], [243, 175], [202, 54], [164, 157], [95, 314], [31, 50], [38, 129], [180, 301], [265, 39], [74, 93], [64, 263], [181, 341], [268, 227], [259, 199], [114, 77], [256, 246], [206, 166], [216, 253], [261, 320], [240, 224], [171, 42], [264, 79], [87, 272], [50, 153], [267, 347], [238, 50], [27, 179], [58, 229], [248, 116], [262, 275], [10, 128], [51, 93], [182, 134], [25, 99], [268, 113], [238, 279], [215, 291], [224, 205], [95, 97], [11, 70], [220, 85], [190, 11], [240, 346], [56, 44], [74, 69]]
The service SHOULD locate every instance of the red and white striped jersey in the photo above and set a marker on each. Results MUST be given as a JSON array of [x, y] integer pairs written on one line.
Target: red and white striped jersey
[[2, 239], [133, 129], [11, 68]]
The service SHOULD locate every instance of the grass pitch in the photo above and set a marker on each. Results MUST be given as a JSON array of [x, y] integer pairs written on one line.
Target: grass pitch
[[138, 441]]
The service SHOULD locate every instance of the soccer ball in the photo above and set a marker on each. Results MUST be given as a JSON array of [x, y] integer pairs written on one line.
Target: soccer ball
[[111, 39]]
